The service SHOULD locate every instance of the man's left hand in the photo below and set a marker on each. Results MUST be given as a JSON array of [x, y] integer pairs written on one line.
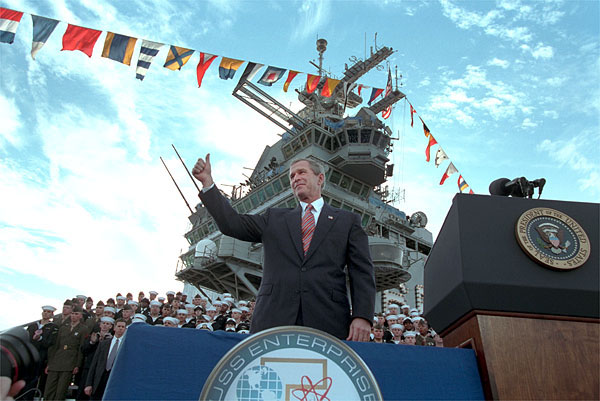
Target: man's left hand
[[360, 330]]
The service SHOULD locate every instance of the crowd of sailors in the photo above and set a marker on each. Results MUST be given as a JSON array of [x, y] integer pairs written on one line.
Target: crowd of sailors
[[74, 363]]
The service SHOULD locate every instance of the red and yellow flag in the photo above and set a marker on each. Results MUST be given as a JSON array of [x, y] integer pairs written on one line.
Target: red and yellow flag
[[311, 82], [329, 87], [291, 75]]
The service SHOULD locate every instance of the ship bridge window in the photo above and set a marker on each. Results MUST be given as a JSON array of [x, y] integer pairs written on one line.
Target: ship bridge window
[[247, 204], [342, 138], [269, 191], [261, 196], [364, 191], [376, 137], [346, 181], [318, 135], [424, 249], [336, 203], [336, 176], [356, 187], [254, 200], [410, 243], [285, 180], [385, 232], [365, 220], [277, 186], [353, 136], [347, 207], [287, 151], [365, 135], [384, 142]]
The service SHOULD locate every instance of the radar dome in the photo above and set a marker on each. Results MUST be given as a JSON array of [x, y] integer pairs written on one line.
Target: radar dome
[[205, 248]]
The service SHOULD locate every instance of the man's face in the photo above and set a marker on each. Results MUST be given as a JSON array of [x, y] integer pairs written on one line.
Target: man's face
[[412, 340], [196, 301], [105, 326], [408, 325], [392, 321], [89, 303], [75, 317], [230, 326], [175, 303], [202, 302], [211, 313], [170, 297], [181, 317], [397, 332], [224, 308], [81, 301], [120, 302], [140, 296], [236, 315], [109, 314], [152, 297], [166, 311], [380, 320], [168, 323], [120, 329], [67, 309], [378, 334], [47, 314], [129, 297], [134, 307], [154, 309], [99, 310], [423, 328], [305, 183], [127, 313]]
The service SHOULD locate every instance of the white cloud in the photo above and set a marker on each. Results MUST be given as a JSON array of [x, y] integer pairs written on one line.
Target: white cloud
[[10, 117], [543, 52], [313, 14], [527, 123], [551, 113], [498, 63]]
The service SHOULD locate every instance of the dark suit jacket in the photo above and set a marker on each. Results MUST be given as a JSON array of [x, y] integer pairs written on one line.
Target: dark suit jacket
[[98, 365], [315, 284]]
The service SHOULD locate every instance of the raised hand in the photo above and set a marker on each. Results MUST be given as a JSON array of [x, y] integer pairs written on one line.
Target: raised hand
[[202, 171]]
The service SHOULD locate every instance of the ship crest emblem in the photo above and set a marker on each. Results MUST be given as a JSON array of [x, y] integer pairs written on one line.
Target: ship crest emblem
[[552, 238]]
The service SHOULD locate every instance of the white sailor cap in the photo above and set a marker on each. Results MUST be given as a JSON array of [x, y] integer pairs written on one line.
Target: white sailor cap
[[217, 303], [243, 332], [171, 319], [244, 309], [211, 308], [236, 310], [182, 311], [226, 295], [170, 292], [190, 306], [396, 326], [230, 320], [110, 309], [414, 314], [410, 334], [407, 318], [230, 300], [153, 293], [132, 302], [405, 306], [139, 316], [243, 303], [49, 308], [394, 306], [154, 303], [204, 326], [401, 316], [414, 310], [121, 297], [107, 319], [161, 298], [390, 317], [81, 297]]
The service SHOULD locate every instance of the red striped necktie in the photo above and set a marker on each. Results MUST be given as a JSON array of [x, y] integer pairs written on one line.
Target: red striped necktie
[[308, 227]]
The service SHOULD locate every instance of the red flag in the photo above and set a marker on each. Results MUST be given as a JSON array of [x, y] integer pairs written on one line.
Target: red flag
[[205, 61], [291, 75], [311, 82], [432, 142], [329, 87], [412, 111], [388, 89], [449, 171], [360, 87], [80, 38], [471, 192]]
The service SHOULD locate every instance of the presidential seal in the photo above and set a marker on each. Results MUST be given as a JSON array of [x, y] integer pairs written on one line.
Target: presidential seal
[[552, 238], [291, 363]]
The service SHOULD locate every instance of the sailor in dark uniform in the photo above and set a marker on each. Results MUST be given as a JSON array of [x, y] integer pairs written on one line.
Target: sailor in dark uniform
[[154, 318]]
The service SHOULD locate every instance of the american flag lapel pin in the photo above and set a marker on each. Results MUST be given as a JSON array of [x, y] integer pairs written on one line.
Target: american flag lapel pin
[[330, 217]]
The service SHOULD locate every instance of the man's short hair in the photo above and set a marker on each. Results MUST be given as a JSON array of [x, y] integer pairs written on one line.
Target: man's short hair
[[120, 320], [315, 166], [378, 327]]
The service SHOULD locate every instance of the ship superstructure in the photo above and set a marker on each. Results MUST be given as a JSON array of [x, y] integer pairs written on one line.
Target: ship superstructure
[[355, 151]]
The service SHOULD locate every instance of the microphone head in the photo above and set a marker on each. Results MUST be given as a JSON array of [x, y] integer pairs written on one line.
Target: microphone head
[[498, 187]]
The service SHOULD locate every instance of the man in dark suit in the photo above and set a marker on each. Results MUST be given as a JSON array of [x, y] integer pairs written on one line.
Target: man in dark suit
[[306, 251], [103, 362]]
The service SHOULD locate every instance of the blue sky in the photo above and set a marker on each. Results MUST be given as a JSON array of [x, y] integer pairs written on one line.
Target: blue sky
[[508, 89]]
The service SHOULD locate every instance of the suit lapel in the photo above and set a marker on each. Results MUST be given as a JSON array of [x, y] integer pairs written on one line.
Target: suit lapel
[[327, 218], [293, 220]]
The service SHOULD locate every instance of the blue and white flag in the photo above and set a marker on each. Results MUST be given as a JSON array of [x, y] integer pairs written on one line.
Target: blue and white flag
[[42, 29], [147, 53]]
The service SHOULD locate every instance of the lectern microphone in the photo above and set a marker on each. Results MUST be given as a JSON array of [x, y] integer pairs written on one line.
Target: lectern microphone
[[519, 187]]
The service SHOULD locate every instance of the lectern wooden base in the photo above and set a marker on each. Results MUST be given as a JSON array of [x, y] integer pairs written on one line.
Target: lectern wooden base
[[532, 357]]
